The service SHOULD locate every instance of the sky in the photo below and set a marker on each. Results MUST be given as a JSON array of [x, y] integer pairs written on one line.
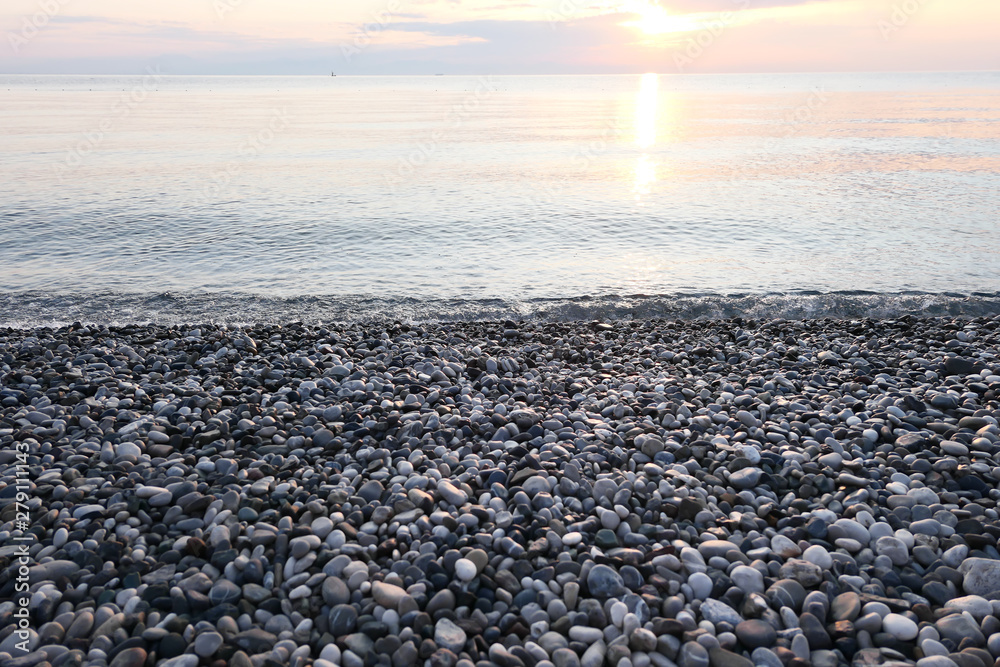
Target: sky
[[490, 37]]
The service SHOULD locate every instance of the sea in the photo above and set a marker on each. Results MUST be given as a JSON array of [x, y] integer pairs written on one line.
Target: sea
[[175, 199]]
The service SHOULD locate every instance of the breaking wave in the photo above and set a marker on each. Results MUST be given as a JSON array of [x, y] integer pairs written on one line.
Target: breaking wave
[[38, 309]]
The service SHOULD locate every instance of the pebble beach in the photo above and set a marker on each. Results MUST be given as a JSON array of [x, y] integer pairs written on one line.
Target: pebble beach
[[719, 493]]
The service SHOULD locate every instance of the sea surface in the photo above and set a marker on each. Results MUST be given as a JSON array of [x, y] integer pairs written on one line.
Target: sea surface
[[173, 199]]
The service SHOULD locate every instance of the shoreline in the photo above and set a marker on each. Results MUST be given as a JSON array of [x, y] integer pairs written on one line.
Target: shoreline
[[36, 309], [549, 494]]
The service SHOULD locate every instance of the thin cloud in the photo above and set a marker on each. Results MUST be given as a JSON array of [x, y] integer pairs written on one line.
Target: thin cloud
[[734, 5]]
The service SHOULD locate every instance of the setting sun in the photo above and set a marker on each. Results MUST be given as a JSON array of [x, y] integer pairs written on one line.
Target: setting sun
[[656, 20]]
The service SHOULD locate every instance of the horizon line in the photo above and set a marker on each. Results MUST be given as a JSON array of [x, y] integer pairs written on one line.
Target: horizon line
[[633, 73]]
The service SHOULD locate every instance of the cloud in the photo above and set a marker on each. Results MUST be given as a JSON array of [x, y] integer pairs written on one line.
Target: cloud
[[474, 39], [697, 6]]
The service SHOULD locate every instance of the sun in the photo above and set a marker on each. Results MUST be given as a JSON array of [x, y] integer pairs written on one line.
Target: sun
[[653, 19]]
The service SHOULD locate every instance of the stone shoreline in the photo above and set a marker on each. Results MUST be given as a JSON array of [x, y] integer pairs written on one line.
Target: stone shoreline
[[636, 493]]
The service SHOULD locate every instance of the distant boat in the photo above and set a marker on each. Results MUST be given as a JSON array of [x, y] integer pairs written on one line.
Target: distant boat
[[333, 74], [439, 75]]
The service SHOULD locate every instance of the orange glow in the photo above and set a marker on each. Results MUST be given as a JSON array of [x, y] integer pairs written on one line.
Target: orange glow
[[656, 20]]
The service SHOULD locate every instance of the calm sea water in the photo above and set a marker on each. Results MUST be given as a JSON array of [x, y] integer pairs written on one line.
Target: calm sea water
[[162, 197]]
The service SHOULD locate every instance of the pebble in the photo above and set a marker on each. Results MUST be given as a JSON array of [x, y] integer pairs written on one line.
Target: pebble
[[981, 576], [207, 643], [899, 627], [465, 569], [755, 633], [639, 493], [604, 582], [448, 635]]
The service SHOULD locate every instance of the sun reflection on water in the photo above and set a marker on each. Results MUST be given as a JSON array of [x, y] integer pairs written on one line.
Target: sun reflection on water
[[645, 111], [646, 108]]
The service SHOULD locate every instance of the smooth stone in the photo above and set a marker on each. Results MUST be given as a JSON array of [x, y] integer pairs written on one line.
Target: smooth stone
[[701, 585], [814, 632], [693, 654], [52, 570], [845, 607], [747, 579], [711, 548], [894, 548], [937, 661], [451, 493], [787, 593], [586, 635], [388, 595], [818, 556], [343, 619], [207, 643], [449, 636], [784, 547], [130, 657], [900, 627], [978, 606], [254, 641], [224, 591], [747, 478], [186, 660], [982, 576], [719, 612], [756, 633], [371, 491], [604, 582], [594, 656], [765, 657], [335, 591], [806, 573], [720, 657], [954, 556], [465, 569], [564, 657], [870, 623], [958, 627]]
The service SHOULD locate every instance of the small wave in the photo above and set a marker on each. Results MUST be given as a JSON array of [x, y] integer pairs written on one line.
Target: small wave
[[38, 309]]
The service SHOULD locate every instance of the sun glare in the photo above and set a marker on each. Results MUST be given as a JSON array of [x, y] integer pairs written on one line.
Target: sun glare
[[646, 116], [645, 110], [653, 19]]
